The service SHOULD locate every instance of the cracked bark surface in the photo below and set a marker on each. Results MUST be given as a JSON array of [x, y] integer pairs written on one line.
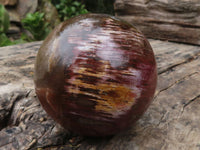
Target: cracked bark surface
[[171, 122], [174, 20]]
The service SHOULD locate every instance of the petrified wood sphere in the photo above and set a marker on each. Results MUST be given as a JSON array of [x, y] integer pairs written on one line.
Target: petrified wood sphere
[[95, 75]]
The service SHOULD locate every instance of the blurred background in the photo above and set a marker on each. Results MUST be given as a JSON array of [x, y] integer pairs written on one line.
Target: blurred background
[[24, 21]]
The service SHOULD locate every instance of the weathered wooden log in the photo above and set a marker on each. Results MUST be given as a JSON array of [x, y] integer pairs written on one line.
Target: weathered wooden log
[[168, 20], [171, 122]]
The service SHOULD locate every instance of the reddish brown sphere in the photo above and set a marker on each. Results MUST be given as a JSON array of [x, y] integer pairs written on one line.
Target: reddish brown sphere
[[95, 75]]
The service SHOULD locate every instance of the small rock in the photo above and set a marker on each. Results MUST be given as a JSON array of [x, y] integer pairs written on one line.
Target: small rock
[[14, 29], [14, 16], [26, 6], [41, 119], [8, 2], [50, 12]]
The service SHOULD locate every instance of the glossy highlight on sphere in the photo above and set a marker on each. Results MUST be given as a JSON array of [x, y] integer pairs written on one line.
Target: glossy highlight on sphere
[[95, 75]]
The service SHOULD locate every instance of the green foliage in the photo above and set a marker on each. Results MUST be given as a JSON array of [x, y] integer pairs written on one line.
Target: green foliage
[[4, 25], [5, 41], [36, 25], [4, 20], [70, 8]]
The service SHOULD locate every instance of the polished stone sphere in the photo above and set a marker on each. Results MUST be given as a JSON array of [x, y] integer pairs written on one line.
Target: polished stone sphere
[[95, 75]]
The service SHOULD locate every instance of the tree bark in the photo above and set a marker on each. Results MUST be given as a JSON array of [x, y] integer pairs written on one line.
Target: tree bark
[[163, 19], [171, 122]]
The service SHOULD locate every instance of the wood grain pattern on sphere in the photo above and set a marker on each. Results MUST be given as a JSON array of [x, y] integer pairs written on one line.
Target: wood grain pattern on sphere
[[95, 74]]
